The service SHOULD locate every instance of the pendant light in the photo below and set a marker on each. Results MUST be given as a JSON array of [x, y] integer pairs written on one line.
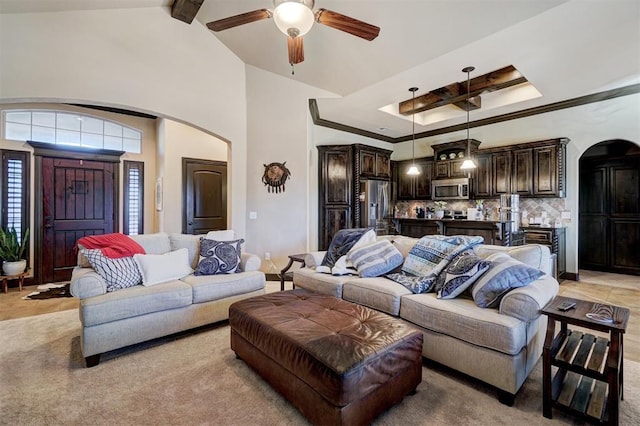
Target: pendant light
[[413, 170], [468, 163]]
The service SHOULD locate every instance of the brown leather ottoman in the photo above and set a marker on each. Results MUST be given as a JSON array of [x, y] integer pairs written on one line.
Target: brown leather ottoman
[[337, 362]]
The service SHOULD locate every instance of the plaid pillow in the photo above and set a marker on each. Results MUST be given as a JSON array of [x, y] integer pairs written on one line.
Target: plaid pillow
[[117, 273]]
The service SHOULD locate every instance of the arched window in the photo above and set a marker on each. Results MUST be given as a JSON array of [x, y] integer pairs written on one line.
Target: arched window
[[70, 128]]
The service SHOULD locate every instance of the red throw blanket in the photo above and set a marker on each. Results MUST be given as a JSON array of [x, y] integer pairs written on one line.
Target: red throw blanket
[[112, 245]]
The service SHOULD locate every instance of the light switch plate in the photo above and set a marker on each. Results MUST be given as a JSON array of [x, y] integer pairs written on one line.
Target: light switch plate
[[253, 215], [566, 215]]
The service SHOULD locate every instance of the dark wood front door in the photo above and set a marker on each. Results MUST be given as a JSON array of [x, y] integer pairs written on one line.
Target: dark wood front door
[[205, 195], [609, 227], [78, 199]]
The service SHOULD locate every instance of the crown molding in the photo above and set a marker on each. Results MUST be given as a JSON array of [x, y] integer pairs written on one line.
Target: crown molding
[[556, 106]]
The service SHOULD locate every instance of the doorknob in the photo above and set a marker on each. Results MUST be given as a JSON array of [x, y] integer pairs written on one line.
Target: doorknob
[[47, 222]]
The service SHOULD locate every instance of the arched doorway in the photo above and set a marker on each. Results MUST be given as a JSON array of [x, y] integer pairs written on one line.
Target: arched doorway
[[609, 208]]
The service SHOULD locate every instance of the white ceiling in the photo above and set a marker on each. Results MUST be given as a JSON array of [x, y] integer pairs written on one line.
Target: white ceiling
[[565, 48]]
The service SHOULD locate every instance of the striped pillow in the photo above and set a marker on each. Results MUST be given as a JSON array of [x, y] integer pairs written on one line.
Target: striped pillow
[[504, 274], [375, 259]]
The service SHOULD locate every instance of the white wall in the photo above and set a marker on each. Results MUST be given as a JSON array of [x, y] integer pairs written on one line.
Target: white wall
[[182, 141], [140, 59], [585, 126], [278, 117]]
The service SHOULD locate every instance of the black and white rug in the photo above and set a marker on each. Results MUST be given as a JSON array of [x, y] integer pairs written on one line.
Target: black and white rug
[[49, 291]]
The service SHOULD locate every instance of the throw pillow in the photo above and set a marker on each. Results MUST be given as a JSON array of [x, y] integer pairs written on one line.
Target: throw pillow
[[375, 259], [159, 268], [219, 257], [417, 284], [463, 271], [434, 252], [341, 243], [117, 273], [505, 273]]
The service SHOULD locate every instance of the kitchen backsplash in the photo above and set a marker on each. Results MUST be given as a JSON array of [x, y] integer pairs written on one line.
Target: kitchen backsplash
[[529, 207]]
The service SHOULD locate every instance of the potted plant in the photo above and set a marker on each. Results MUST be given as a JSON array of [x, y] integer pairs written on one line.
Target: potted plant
[[439, 209], [12, 251]]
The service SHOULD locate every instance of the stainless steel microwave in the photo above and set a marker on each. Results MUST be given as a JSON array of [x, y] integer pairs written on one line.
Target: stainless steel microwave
[[450, 189]]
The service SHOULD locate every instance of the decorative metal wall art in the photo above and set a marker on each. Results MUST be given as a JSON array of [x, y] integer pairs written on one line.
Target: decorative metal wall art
[[275, 175]]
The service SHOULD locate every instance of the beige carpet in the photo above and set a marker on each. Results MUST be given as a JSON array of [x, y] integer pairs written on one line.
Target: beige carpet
[[195, 379]]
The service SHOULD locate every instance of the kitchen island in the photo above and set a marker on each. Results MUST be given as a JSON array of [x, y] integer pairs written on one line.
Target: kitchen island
[[493, 231]]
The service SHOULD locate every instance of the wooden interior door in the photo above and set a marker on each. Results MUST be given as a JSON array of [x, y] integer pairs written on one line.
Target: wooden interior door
[[609, 226], [79, 198], [205, 196]]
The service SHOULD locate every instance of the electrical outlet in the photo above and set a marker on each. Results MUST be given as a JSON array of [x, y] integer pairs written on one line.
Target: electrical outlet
[[267, 256]]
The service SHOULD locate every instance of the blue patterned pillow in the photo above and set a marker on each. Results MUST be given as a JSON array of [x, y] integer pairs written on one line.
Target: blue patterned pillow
[[219, 257], [375, 259], [341, 243], [433, 252], [416, 284], [117, 273], [505, 273], [463, 271]]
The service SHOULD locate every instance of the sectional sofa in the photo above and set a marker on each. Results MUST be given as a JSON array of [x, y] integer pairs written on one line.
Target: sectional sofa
[[499, 346], [112, 320]]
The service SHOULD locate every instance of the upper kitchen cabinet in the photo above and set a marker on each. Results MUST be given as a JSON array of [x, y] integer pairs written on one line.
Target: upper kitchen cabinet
[[335, 201], [549, 168], [449, 157], [534, 169], [373, 162], [413, 187]]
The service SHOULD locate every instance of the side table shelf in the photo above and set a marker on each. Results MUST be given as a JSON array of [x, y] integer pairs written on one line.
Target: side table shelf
[[588, 379]]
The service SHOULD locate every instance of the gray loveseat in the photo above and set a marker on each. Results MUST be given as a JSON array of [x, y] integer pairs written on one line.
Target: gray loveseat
[[499, 346], [112, 320]]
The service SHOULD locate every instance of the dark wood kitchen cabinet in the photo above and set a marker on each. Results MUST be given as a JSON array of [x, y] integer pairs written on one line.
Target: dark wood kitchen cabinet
[[336, 191], [448, 158], [413, 187], [522, 176], [492, 176], [372, 162]]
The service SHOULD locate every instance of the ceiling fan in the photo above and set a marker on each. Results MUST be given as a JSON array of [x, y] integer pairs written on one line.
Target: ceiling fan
[[295, 18]]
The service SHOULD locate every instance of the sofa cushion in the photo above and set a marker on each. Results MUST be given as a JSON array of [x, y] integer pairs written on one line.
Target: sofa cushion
[[505, 273], [375, 259], [117, 273], [219, 257], [535, 255], [224, 235], [378, 293], [458, 276], [190, 242], [214, 287], [158, 268], [309, 279], [460, 318], [157, 243], [134, 301]]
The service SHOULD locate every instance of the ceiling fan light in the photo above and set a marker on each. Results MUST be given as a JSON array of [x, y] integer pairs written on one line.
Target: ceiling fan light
[[293, 17], [468, 164]]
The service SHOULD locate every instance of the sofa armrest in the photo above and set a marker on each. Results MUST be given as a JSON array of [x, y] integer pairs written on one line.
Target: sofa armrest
[[525, 302], [249, 262], [86, 282], [314, 258]]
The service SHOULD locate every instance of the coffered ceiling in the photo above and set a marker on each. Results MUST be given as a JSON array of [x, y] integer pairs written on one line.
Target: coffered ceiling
[[566, 49]]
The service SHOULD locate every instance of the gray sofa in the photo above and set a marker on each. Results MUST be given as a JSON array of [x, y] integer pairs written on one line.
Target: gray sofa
[[498, 346], [112, 320]]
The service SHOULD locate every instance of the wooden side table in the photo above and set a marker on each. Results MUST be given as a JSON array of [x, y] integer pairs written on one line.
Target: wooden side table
[[582, 358], [292, 258], [6, 278]]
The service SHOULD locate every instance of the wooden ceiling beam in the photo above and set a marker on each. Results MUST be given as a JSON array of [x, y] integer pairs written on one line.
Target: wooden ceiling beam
[[186, 10], [456, 93]]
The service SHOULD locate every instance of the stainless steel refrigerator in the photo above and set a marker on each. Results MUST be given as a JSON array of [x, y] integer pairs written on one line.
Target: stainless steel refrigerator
[[375, 211]]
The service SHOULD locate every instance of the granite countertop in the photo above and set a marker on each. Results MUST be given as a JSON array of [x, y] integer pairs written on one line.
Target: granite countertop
[[542, 227], [451, 220]]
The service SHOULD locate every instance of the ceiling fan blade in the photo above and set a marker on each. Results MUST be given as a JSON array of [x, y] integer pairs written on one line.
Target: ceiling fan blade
[[349, 25], [243, 18], [296, 50]]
